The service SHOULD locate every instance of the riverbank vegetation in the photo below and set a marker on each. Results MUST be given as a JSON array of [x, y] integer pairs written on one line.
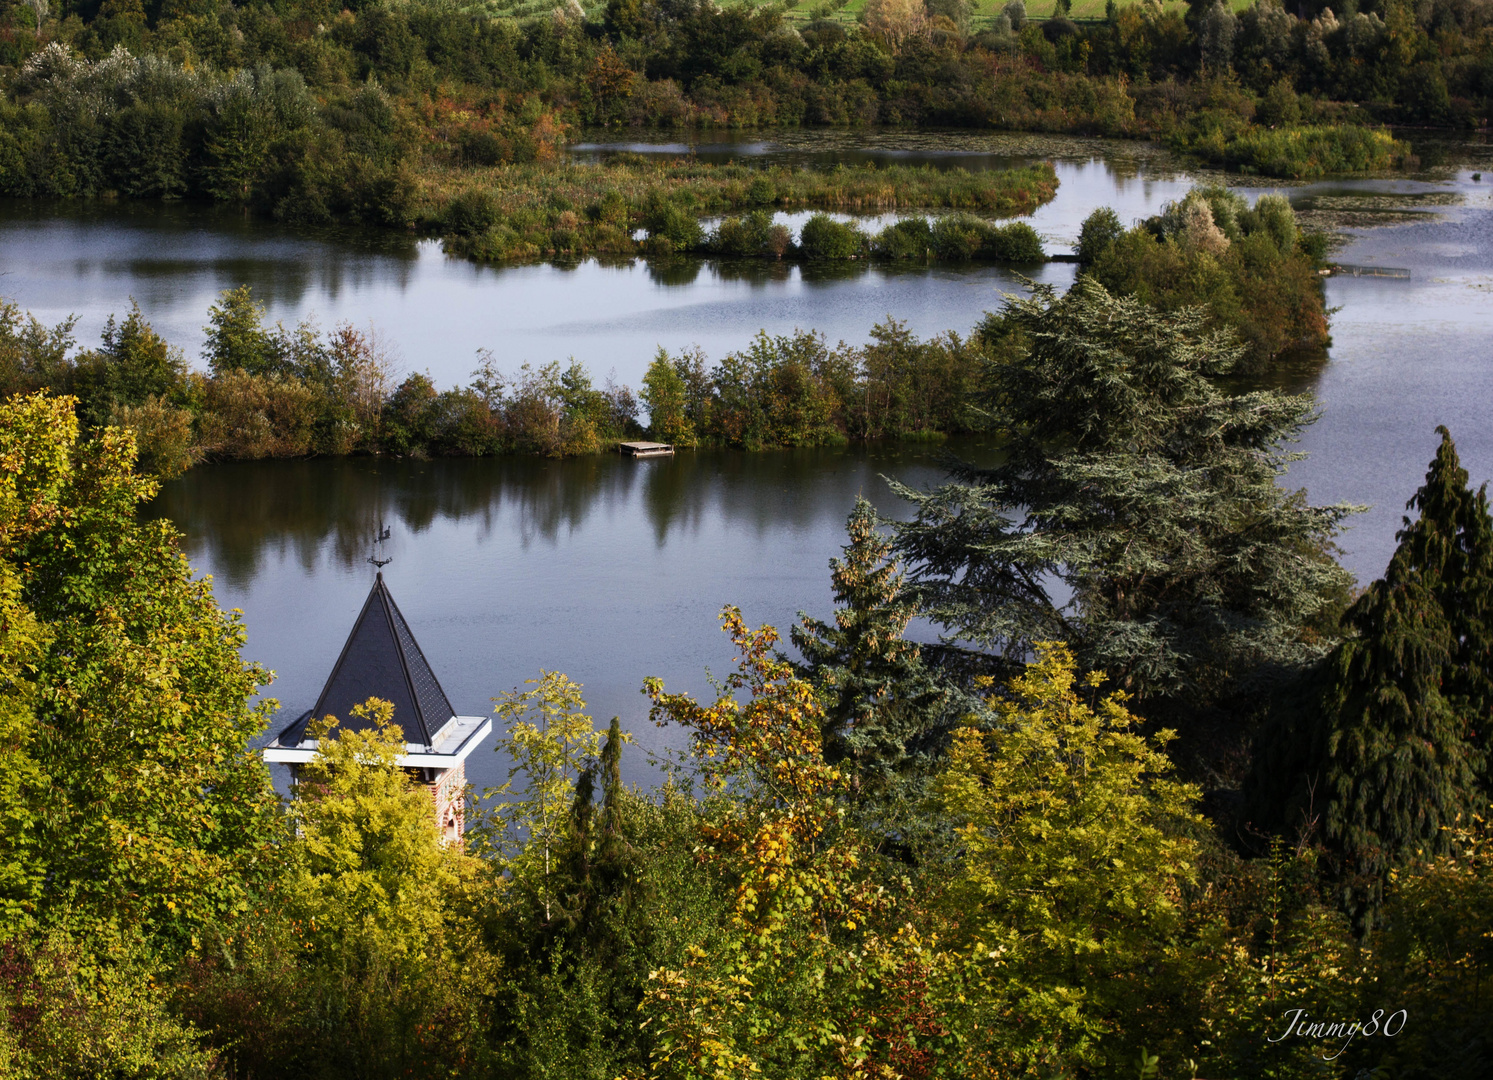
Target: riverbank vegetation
[[389, 113], [1023, 852], [277, 392]]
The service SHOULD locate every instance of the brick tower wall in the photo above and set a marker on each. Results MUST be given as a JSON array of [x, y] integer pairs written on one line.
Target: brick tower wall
[[448, 795]]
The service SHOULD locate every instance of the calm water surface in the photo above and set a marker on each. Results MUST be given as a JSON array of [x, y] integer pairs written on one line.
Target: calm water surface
[[605, 568], [612, 570]]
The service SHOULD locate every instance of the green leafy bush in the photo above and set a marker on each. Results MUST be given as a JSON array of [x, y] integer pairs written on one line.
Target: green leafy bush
[[822, 237], [910, 238], [1016, 243], [471, 213], [752, 234], [965, 238], [1099, 230], [672, 229]]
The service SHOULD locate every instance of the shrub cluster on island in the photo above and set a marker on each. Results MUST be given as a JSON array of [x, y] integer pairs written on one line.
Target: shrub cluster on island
[[755, 235], [632, 206]]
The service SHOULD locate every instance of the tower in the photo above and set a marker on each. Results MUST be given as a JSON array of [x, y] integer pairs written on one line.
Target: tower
[[382, 659]]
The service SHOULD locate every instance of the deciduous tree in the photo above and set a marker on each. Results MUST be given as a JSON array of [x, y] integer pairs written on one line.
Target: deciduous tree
[[363, 961], [551, 743], [371, 873], [1072, 853], [156, 810], [812, 973]]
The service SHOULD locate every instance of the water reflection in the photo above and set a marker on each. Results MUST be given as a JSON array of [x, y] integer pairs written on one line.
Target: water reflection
[[89, 259], [607, 568], [236, 516], [240, 517]]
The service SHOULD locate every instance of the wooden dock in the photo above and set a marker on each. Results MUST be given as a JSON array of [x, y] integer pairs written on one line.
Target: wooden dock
[[646, 449]]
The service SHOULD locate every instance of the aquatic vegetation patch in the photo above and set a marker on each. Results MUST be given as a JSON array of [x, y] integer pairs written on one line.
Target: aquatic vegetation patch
[[1302, 153], [637, 206]]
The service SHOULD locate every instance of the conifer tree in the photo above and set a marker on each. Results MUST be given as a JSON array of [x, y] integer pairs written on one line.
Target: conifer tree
[[616, 858], [882, 704], [133, 364], [1136, 514], [237, 338], [597, 867], [1402, 754], [1451, 544], [1398, 768]]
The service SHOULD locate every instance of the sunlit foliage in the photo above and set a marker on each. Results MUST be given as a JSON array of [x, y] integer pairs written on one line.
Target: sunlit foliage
[[550, 742], [154, 810], [812, 972], [1073, 857]]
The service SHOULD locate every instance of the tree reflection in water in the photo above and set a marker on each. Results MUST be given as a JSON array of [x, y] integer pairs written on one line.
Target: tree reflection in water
[[608, 569]]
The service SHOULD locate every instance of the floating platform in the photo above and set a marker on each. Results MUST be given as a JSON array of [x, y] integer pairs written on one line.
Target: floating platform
[[646, 449], [1344, 269]]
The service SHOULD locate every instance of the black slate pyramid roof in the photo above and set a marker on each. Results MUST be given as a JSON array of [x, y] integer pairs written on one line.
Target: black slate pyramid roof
[[381, 659]]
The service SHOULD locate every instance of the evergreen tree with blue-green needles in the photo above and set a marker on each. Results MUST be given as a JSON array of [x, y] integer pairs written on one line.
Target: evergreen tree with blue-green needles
[[1136, 512]]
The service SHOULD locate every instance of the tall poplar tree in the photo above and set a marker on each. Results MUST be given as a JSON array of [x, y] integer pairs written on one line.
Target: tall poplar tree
[[1136, 514]]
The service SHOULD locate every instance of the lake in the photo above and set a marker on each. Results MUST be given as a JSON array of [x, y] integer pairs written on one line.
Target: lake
[[611, 570]]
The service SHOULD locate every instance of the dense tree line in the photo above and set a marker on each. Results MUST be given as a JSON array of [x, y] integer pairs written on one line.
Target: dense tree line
[[384, 113], [278, 392]]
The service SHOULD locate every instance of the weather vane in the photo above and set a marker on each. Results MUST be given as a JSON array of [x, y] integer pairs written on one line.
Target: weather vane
[[378, 539]]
